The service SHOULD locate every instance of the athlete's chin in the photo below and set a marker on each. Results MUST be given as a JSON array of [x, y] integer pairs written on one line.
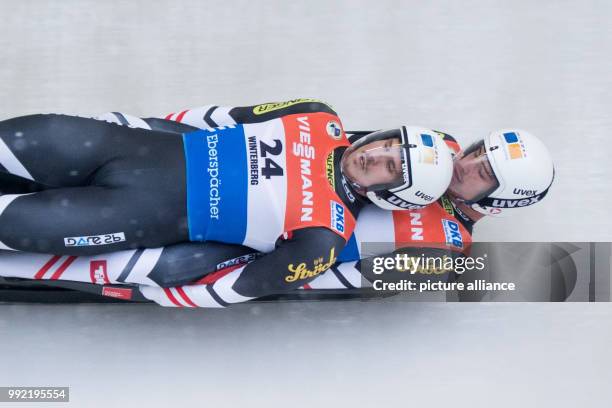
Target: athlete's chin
[[454, 192], [456, 186]]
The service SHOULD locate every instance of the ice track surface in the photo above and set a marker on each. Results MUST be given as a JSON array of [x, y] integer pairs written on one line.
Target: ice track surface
[[383, 353], [462, 67]]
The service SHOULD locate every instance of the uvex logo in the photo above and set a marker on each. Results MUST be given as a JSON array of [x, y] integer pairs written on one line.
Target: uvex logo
[[424, 196], [522, 192], [395, 200], [515, 203]]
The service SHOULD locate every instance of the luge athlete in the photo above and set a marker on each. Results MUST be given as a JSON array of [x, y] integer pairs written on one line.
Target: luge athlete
[[273, 184], [523, 177]]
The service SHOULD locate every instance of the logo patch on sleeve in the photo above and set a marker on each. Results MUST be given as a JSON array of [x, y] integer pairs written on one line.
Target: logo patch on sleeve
[[334, 130], [269, 107], [329, 169]]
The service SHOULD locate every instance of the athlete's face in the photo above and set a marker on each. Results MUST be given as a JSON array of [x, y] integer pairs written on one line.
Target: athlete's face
[[377, 162], [472, 175]]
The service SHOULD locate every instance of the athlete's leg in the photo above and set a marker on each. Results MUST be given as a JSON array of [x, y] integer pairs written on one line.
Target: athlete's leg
[[89, 220], [58, 150], [133, 186], [174, 265], [11, 184], [182, 264]]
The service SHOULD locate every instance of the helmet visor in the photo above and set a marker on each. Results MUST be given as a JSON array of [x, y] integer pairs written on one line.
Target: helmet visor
[[473, 175], [381, 163]]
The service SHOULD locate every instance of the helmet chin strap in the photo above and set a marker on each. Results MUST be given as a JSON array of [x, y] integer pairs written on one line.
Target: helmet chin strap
[[357, 187], [455, 197], [465, 202], [466, 206]]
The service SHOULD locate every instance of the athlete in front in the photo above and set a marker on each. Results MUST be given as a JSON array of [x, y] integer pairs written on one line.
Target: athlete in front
[[266, 185]]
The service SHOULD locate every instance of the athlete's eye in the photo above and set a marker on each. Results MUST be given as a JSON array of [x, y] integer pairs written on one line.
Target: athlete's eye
[[481, 174], [489, 170], [391, 166], [484, 173]]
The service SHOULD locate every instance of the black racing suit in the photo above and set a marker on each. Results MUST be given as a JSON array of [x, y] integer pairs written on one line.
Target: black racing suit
[[89, 176]]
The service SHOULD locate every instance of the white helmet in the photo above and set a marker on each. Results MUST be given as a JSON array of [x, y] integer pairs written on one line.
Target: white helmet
[[523, 168], [426, 167]]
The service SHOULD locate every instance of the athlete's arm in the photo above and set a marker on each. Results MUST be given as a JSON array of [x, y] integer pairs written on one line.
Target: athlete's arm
[[342, 275], [210, 116], [359, 274], [163, 125], [170, 266], [265, 277], [294, 263]]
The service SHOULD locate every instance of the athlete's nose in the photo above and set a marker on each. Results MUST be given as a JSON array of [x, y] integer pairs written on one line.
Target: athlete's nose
[[370, 161]]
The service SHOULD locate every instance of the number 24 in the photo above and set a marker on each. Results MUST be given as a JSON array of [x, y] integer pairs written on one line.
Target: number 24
[[271, 168]]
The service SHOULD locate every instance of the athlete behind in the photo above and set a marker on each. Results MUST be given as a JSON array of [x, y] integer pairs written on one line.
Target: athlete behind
[[273, 185]]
